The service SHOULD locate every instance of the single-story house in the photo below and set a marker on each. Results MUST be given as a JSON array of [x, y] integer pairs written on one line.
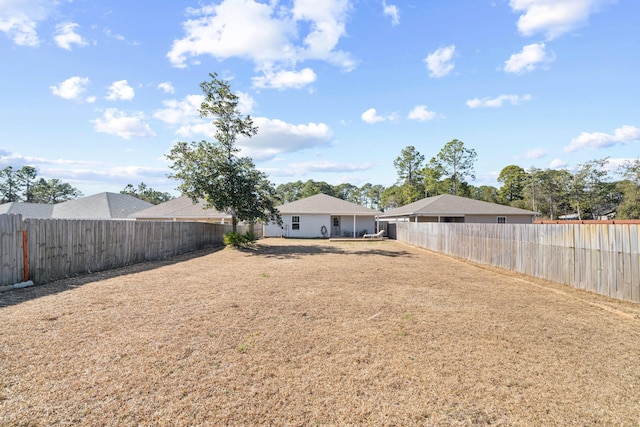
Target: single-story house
[[182, 209], [449, 208], [99, 206], [322, 216], [27, 210]]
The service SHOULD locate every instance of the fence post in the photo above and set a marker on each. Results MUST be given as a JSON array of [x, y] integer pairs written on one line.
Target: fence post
[[25, 255]]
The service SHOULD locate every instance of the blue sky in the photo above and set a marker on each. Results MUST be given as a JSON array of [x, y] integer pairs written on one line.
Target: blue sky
[[97, 92]]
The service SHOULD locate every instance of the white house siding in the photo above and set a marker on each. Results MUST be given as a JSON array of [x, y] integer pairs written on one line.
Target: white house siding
[[310, 226]]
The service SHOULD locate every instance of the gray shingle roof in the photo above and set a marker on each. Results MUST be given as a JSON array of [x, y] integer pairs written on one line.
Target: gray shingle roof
[[100, 206], [324, 204], [27, 210], [447, 204], [182, 207]]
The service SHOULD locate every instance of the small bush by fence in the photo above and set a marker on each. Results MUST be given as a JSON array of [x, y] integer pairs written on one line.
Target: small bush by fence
[[59, 248], [603, 258]]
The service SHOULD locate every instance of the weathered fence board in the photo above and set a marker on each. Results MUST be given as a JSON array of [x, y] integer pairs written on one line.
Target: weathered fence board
[[11, 255], [603, 258]]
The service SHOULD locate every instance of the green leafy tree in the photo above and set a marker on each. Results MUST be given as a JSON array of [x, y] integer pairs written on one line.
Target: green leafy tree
[[554, 192], [146, 193], [591, 192], [629, 208], [290, 191], [409, 166], [311, 188], [392, 197], [372, 195], [213, 172], [9, 185], [348, 192], [433, 183], [513, 179], [456, 163], [26, 179], [53, 191]]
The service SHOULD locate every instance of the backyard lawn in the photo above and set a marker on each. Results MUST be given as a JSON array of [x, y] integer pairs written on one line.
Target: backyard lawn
[[313, 332]]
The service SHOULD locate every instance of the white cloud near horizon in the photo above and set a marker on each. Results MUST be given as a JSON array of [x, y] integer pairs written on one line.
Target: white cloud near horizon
[[553, 18], [528, 59], [66, 36], [498, 101], [116, 122], [558, 164], [421, 113], [71, 88], [275, 38], [440, 62], [120, 91], [328, 166], [595, 140], [392, 12]]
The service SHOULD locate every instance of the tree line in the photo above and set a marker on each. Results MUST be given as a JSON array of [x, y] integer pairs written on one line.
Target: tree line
[[591, 191], [23, 185]]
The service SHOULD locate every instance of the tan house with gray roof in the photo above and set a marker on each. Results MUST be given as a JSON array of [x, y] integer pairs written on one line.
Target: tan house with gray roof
[[182, 209], [449, 208], [322, 216]]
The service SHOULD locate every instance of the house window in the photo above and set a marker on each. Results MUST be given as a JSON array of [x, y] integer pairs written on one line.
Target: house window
[[502, 220], [295, 222]]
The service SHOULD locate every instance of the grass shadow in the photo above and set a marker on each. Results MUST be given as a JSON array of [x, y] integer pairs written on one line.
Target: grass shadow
[[17, 296]]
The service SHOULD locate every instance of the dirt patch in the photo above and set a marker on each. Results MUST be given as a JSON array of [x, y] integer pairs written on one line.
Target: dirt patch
[[299, 332]]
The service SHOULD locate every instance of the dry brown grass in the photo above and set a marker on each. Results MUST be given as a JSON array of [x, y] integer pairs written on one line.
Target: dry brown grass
[[302, 332]]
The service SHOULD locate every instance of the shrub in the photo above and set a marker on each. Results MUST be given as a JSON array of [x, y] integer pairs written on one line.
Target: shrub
[[238, 240]]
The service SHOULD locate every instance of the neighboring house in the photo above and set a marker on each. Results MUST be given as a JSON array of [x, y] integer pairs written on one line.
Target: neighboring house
[[182, 209], [322, 216], [27, 210], [98, 206], [449, 208]]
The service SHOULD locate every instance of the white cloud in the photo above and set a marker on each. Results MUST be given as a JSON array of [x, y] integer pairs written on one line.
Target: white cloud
[[276, 137], [497, 102], [19, 19], [275, 38], [181, 112], [120, 90], [167, 87], [116, 122], [528, 59], [391, 11], [371, 116], [66, 36], [421, 113], [285, 79], [535, 153], [558, 164], [623, 135], [245, 103], [440, 63], [553, 18], [71, 88]]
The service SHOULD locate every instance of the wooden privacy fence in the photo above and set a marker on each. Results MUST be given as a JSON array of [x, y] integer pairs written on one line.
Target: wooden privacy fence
[[603, 258], [59, 248], [11, 253]]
